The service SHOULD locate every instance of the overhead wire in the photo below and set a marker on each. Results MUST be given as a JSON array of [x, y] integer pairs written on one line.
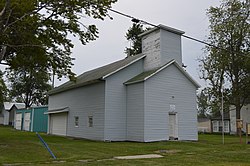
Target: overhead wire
[[136, 20]]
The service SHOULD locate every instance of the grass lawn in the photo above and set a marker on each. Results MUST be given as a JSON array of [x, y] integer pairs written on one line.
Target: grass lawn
[[24, 148]]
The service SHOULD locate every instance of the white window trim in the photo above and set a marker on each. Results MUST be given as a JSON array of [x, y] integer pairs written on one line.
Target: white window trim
[[90, 125], [76, 121]]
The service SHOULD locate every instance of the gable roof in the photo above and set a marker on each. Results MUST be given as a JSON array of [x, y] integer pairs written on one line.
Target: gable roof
[[19, 105], [148, 74], [97, 75], [9, 105]]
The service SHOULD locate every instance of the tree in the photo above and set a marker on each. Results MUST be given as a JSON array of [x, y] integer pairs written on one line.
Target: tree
[[45, 26], [228, 63], [29, 83], [203, 105], [133, 36], [209, 105], [3, 89]]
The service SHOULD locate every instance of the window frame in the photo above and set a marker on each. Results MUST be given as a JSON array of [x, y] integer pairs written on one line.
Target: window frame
[[90, 121], [76, 121]]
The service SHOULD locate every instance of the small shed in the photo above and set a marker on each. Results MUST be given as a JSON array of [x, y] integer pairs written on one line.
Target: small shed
[[32, 119], [7, 112], [12, 111]]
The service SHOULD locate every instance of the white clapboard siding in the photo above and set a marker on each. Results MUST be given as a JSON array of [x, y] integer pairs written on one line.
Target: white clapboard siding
[[170, 87], [83, 102], [151, 48], [170, 47], [160, 47], [115, 101], [6, 117], [135, 112]]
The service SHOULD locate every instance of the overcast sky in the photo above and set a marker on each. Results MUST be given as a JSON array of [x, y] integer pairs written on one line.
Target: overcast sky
[[189, 16]]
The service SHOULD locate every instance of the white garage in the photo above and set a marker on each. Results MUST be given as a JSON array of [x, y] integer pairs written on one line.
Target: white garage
[[58, 123], [18, 121]]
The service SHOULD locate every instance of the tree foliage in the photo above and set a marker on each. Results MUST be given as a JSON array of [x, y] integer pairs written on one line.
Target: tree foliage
[[133, 36], [228, 63], [209, 105], [3, 89], [45, 26], [203, 105], [35, 40], [29, 83]]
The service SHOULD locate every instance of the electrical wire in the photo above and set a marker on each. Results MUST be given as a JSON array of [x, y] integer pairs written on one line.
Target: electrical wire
[[136, 20]]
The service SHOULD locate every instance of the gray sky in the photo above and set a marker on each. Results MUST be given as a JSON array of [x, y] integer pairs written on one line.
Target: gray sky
[[189, 16]]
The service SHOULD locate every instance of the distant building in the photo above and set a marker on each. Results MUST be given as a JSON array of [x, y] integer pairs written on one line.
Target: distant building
[[245, 117], [204, 125], [217, 124], [7, 113]]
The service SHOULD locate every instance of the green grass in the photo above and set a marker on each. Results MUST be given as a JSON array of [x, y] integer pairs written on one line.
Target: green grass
[[23, 148]]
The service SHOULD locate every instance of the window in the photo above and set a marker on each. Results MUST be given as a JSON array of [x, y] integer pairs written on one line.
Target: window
[[215, 126], [220, 126], [90, 121], [76, 121], [226, 126]]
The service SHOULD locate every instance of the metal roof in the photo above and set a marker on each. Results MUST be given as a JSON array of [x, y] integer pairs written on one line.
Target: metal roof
[[9, 105], [97, 75]]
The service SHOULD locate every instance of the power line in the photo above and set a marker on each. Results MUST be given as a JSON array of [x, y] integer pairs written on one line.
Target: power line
[[136, 20]]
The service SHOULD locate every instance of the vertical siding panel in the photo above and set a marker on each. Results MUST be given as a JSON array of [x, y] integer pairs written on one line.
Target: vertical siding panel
[[115, 102], [159, 90], [83, 102], [135, 112]]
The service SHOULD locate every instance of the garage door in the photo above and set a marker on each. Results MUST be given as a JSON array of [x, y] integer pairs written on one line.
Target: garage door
[[58, 123], [26, 125], [18, 121]]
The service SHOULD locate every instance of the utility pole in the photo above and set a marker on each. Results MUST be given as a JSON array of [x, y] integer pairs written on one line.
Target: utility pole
[[222, 113]]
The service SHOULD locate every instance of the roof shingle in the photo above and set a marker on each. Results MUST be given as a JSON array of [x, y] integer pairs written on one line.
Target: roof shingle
[[97, 75]]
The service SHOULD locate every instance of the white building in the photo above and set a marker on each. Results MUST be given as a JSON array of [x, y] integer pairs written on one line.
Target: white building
[[245, 117], [147, 97], [7, 112]]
